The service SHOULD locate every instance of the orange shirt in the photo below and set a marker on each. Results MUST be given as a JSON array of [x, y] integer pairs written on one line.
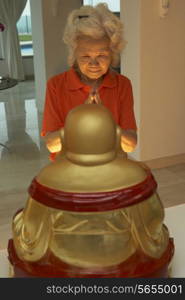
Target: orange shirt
[[65, 91]]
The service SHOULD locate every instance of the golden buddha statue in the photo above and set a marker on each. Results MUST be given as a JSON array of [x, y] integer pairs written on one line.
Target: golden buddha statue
[[92, 212]]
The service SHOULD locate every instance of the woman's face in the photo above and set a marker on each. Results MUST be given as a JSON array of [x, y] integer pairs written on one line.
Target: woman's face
[[93, 57]]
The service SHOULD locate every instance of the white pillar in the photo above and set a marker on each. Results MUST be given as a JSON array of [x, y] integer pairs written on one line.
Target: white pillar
[[39, 60], [50, 53]]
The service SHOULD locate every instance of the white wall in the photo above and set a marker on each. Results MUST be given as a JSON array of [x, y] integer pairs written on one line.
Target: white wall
[[155, 62], [130, 60], [54, 20], [28, 66], [162, 80], [3, 68]]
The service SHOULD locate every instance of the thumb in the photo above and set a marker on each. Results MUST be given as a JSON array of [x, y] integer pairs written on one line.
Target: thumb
[[97, 98]]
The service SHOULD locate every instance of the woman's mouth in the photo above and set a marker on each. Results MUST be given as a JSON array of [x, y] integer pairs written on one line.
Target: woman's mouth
[[94, 70]]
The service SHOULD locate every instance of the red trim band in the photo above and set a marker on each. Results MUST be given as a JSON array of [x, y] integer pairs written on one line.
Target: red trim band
[[93, 202]]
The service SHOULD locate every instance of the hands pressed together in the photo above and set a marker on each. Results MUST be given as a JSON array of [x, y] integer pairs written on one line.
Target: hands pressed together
[[93, 98]]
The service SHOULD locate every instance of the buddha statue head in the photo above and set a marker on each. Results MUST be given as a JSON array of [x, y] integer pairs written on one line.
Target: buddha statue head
[[90, 135]]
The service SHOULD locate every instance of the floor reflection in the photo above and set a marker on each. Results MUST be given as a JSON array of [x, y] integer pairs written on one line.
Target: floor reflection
[[20, 128], [20, 122], [23, 153]]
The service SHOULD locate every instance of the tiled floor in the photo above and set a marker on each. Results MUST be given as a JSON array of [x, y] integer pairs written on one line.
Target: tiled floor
[[19, 131], [171, 184]]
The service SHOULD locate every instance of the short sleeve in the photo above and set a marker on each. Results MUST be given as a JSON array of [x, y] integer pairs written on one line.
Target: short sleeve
[[127, 117], [51, 118]]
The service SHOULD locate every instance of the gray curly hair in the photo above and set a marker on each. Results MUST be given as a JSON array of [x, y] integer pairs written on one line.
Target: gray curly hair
[[94, 22]]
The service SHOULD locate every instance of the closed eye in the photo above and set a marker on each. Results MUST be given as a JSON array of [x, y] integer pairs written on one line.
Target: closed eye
[[103, 57]]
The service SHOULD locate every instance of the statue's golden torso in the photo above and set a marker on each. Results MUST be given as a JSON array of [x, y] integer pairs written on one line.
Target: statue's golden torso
[[91, 163]]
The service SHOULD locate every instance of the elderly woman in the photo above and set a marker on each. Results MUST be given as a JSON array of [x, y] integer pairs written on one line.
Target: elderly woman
[[94, 36]]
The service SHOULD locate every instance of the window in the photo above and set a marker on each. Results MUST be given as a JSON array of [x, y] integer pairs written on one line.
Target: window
[[25, 31], [113, 5]]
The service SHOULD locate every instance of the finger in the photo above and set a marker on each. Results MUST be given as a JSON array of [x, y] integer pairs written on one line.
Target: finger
[[126, 147], [97, 99], [88, 101]]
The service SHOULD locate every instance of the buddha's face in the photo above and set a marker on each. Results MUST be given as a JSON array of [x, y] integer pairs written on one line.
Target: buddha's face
[[93, 57]]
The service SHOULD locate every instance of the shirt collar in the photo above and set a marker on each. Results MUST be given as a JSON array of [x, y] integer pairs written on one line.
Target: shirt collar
[[74, 83], [109, 79]]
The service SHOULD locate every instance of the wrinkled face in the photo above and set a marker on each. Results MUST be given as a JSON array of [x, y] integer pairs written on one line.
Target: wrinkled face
[[93, 57]]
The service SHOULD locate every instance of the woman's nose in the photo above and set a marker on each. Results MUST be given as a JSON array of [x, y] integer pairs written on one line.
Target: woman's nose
[[93, 61]]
